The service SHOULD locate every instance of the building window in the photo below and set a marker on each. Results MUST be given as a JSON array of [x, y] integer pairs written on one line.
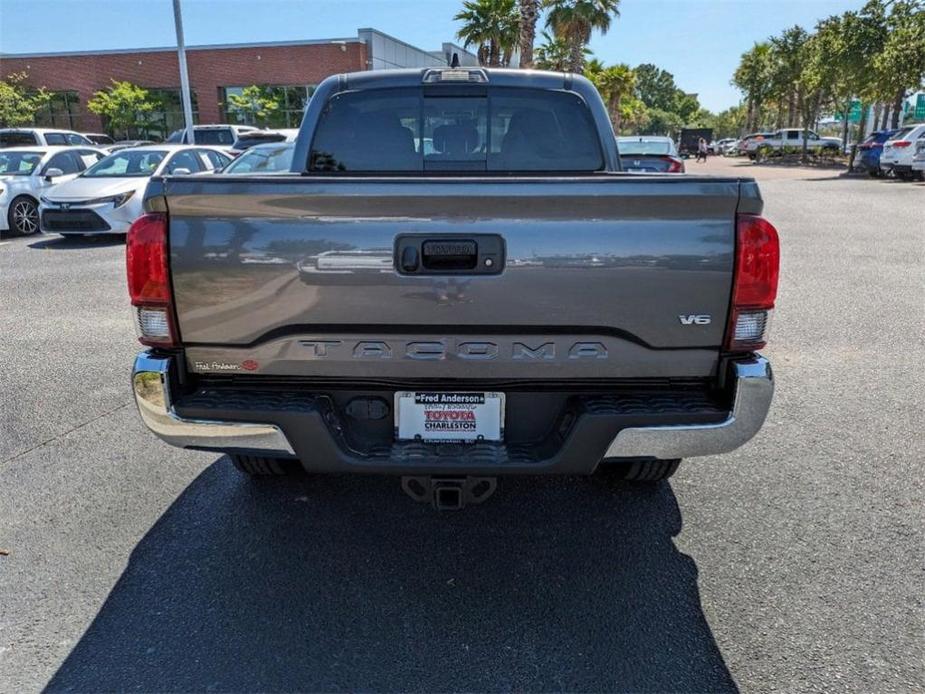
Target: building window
[[167, 115], [62, 111], [289, 101]]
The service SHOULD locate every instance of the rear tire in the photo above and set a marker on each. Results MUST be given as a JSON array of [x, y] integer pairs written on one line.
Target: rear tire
[[643, 471], [258, 466]]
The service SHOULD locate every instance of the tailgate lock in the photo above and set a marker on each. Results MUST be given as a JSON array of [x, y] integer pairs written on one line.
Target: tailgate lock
[[479, 254]]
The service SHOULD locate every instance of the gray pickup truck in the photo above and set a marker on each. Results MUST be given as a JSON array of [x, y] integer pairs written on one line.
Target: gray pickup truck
[[454, 282]]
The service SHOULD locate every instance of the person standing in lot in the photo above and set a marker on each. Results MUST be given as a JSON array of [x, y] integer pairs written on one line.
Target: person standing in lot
[[702, 150]]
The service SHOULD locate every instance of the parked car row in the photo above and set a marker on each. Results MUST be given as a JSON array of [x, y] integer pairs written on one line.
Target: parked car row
[[235, 137], [107, 197], [82, 190], [26, 173], [74, 183], [899, 153]]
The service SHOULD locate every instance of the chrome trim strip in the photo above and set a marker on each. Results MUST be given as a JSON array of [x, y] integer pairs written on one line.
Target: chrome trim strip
[[754, 389], [151, 386]]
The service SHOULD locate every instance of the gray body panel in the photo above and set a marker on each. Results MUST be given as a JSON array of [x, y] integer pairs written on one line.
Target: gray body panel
[[606, 275], [599, 271]]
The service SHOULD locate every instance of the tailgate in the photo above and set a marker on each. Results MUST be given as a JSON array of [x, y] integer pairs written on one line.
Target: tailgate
[[602, 277]]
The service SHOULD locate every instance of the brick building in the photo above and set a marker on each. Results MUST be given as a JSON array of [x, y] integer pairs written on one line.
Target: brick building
[[289, 70]]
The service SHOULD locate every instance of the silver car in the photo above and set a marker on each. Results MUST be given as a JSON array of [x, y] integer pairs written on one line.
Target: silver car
[[275, 157], [107, 197]]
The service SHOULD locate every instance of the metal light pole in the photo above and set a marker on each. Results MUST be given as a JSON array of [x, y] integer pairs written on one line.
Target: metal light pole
[[184, 75]]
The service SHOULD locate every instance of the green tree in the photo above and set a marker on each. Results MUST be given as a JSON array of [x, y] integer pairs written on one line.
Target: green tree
[[574, 20], [900, 65], [18, 104], [753, 78], [493, 26], [655, 87], [818, 82], [868, 29], [634, 114], [123, 105], [685, 105], [729, 123], [615, 84], [784, 73], [529, 13], [660, 122], [701, 118], [256, 104]]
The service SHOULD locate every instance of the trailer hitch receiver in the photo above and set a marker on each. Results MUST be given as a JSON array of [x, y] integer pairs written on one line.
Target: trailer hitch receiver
[[449, 493]]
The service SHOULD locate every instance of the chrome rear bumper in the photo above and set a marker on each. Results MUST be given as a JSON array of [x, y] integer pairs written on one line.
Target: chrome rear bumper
[[753, 384], [754, 390], [151, 385]]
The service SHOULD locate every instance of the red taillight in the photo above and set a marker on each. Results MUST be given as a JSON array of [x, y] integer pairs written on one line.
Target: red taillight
[[149, 279], [675, 165], [754, 287], [901, 143]]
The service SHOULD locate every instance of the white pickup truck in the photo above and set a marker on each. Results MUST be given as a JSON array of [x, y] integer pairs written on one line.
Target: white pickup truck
[[791, 139]]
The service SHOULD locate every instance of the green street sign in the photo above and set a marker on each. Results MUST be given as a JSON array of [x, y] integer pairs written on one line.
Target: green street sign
[[920, 107], [854, 113]]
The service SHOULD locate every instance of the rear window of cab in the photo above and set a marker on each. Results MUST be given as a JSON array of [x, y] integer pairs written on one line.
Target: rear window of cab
[[408, 130]]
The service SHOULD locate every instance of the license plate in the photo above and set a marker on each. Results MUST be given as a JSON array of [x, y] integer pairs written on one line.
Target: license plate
[[449, 417]]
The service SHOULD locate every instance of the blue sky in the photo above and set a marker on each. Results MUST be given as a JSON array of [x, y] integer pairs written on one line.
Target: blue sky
[[699, 41]]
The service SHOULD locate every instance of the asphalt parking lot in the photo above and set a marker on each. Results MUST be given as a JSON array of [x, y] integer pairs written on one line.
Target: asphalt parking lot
[[796, 563]]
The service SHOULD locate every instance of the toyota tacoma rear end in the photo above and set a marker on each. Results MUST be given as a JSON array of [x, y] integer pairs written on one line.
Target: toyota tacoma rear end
[[455, 282]]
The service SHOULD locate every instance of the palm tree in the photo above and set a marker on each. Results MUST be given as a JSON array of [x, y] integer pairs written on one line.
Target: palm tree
[[553, 54], [574, 20], [615, 83], [529, 12], [493, 26]]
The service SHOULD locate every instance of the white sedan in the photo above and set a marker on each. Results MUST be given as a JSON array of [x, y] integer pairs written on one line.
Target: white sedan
[[26, 173], [108, 197]]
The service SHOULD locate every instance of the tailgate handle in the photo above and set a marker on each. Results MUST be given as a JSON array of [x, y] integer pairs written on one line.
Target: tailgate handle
[[449, 255], [472, 254]]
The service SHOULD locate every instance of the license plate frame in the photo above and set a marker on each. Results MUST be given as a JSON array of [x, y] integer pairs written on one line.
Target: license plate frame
[[449, 416]]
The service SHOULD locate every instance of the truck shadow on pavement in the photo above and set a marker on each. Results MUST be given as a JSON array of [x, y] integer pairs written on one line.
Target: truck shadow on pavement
[[343, 583], [63, 243]]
